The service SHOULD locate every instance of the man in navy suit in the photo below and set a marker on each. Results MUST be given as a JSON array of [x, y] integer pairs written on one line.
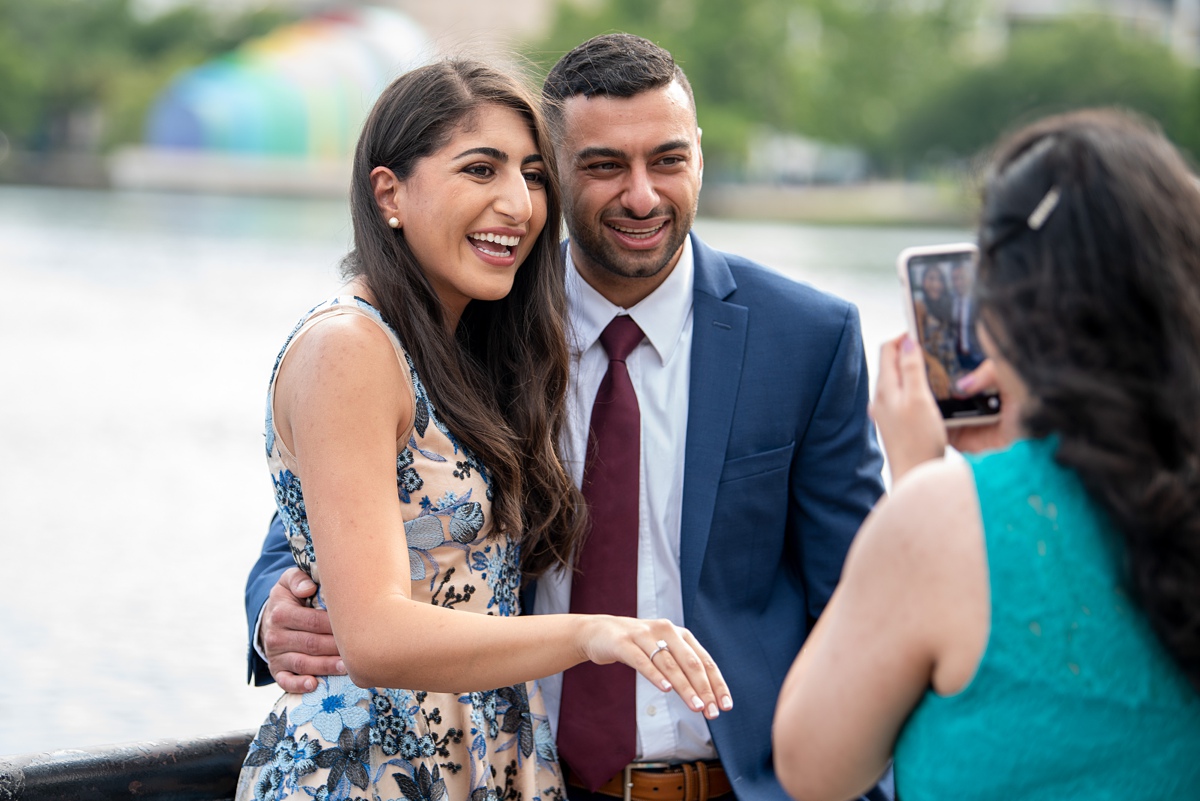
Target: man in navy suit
[[754, 480]]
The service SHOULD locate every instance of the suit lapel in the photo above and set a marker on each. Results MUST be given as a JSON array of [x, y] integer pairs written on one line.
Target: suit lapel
[[718, 345]]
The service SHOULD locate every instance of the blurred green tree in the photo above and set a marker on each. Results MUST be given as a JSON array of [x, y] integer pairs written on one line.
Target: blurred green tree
[[1048, 68], [81, 74], [912, 84], [830, 69]]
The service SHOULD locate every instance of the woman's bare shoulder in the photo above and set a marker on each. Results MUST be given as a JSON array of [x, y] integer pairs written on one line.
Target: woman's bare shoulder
[[931, 507], [941, 487], [344, 364], [348, 347]]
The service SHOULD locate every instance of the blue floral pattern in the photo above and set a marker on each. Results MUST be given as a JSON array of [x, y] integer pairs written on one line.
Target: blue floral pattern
[[342, 742]]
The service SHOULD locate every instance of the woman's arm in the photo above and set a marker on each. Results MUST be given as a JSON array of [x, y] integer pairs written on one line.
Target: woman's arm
[[342, 401], [911, 609], [911, 612]]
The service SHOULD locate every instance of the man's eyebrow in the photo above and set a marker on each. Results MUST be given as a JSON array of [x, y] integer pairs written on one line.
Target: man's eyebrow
[[614, 153], [491, 152], [676, 144], [599, 152]]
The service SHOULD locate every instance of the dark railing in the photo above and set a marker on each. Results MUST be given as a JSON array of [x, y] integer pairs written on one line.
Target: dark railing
[[202, 769]]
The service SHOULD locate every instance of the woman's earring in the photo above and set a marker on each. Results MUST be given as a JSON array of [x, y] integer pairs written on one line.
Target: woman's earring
[[392, 221]]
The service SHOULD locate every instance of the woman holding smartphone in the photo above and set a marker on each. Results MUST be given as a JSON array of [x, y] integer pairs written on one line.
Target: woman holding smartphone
[[1026, 623], [412, 430]]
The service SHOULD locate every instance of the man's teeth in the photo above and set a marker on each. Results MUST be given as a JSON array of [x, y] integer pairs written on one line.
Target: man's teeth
[[499, 239], [638, 233]]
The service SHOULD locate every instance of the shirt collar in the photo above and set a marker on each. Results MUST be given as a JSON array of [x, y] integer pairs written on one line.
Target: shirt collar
[[661, 315]]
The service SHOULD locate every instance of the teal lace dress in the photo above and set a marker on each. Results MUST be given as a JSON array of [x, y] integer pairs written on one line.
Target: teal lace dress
[[1074, 697], [343, 742]]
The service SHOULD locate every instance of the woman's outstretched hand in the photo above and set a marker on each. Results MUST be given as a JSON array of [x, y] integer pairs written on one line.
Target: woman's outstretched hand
[[904, 408], [666, 654]]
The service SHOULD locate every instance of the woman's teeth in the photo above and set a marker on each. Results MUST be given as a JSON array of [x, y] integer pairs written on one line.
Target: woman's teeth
[[499, 239]]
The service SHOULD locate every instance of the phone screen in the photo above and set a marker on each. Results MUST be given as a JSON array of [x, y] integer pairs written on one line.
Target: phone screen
[[941, 283]]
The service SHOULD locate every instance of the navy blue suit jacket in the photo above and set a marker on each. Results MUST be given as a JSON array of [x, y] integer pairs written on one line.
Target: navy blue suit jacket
[[781, 468]]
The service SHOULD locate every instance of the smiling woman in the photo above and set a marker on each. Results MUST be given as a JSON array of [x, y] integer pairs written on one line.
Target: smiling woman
[[485, 187], [412, 437]]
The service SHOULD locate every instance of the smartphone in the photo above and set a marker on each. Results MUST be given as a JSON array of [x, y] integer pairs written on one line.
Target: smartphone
[[938, 283]]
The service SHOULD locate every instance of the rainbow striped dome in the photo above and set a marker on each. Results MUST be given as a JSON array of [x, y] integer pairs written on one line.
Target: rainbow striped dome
[[301, 91]]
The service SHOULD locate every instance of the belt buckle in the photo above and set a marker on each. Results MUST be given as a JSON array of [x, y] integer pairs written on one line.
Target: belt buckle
[[627, 775]]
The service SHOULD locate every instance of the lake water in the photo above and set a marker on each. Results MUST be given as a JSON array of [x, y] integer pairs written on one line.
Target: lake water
[[137, 333]]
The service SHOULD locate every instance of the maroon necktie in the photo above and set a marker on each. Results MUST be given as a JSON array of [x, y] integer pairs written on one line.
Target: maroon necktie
[[596, 724]]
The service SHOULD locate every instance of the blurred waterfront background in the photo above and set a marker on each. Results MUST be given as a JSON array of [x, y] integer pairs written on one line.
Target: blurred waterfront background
[[172, 198]]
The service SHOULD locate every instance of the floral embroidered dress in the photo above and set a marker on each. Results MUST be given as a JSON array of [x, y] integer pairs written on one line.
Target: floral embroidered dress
[[342, 741]]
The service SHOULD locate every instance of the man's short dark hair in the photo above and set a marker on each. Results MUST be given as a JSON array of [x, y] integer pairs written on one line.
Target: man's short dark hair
[[614, 65]]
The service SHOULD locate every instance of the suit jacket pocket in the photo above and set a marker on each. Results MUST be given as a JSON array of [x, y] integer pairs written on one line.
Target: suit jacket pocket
[[757, 464]]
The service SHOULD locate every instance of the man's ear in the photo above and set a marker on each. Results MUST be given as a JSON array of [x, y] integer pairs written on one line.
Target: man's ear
[[700, 151], [389, 192]]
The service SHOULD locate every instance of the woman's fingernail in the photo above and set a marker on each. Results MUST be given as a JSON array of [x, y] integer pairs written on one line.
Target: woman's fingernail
[[696, 702], [965, 384], [341, 667], [726, 703], [310, 685], [713, 711], [907, 345], [666, 685]]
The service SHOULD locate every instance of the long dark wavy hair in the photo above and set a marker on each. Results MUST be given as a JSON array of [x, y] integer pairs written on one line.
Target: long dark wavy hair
[[1095, 302], [499, 382]]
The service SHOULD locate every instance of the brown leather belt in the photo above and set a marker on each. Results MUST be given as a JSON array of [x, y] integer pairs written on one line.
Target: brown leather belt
[[662, 781]]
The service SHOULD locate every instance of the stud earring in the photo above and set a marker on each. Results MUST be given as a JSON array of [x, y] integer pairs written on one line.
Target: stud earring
[[392, 221]]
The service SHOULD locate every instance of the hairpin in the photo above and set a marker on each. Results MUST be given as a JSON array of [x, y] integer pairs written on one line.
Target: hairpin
[[1044, 209]]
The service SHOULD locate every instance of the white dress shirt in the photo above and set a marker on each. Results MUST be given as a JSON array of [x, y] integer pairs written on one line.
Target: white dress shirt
[[660, 368]]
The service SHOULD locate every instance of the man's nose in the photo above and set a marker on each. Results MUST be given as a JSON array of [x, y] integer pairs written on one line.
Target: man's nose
[[640, 196]]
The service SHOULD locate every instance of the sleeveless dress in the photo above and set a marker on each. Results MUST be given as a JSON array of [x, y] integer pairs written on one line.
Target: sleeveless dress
[[347, 742], [1074, 697]]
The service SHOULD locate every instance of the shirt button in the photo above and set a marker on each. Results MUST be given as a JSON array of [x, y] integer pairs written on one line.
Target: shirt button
[[652, 710]]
